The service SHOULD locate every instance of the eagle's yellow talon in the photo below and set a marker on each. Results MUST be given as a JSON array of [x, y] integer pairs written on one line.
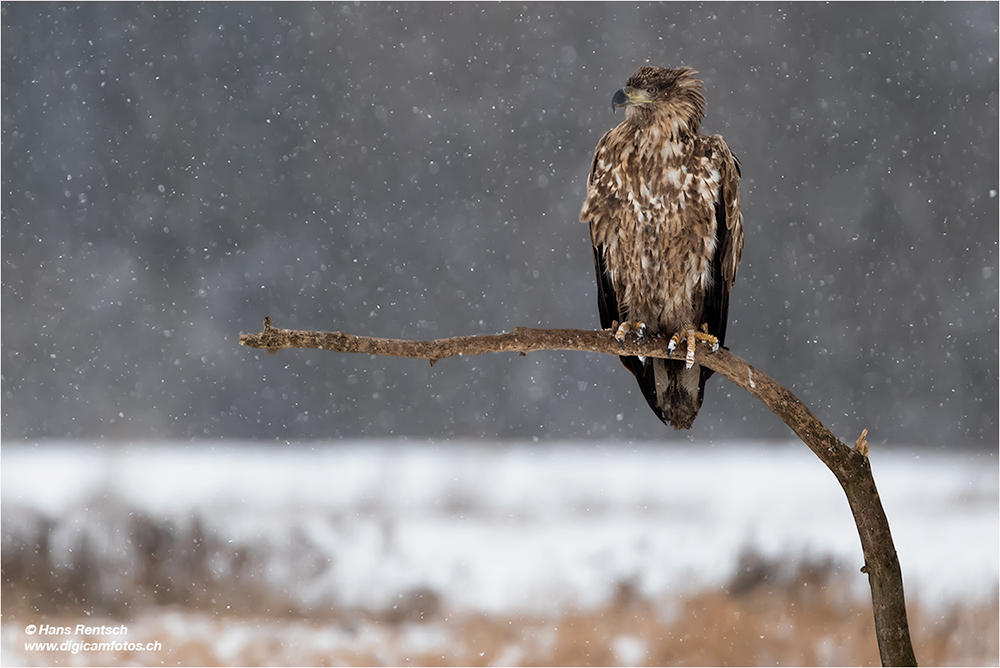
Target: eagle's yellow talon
[[637, 328], [692, 337]]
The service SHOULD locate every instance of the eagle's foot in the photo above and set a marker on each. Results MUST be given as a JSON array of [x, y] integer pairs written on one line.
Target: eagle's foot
[[692, 336], [637, 328]]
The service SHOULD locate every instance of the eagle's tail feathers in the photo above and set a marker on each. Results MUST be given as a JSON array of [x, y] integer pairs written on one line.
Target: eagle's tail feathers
[[671, 390]]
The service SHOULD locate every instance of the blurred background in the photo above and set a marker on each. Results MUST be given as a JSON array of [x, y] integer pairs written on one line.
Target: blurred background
[[174, 173]]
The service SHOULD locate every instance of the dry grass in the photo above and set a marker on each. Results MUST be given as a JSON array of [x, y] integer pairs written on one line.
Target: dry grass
[[804, 618], [208, 602]]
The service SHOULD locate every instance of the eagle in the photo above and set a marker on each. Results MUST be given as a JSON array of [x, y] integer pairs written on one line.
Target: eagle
[[663, 205]]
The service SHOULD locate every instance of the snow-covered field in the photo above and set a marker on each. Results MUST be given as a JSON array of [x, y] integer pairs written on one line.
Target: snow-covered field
[[503, 528], [480, 553]]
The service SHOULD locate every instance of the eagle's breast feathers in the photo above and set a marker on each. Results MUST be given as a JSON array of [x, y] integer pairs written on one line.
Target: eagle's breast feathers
[[651, 204]]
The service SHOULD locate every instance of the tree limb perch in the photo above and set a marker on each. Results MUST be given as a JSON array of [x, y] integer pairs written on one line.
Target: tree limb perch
[[849, 465]]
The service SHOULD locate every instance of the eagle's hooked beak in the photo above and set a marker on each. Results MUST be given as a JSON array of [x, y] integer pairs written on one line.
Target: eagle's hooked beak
[[629, 97]]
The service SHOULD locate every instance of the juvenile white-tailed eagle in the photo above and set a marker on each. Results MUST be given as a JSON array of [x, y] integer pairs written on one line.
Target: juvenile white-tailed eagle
[[663, 204]]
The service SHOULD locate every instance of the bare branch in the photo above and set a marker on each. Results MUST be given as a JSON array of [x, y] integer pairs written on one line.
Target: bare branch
[[849, 465]]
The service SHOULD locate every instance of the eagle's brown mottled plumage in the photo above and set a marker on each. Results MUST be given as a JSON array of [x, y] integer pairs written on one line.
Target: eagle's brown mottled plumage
[[663, 204]]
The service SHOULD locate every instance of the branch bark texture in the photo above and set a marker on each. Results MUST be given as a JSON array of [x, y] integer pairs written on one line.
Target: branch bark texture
[[849, 465]]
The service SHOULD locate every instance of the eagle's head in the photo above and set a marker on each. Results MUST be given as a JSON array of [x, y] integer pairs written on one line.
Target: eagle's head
[[656, 93]]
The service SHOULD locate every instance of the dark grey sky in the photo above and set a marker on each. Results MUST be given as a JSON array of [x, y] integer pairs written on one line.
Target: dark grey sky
[[172, 174]]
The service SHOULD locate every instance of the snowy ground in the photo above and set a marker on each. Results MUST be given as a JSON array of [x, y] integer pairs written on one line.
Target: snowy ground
[[502, 528]]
